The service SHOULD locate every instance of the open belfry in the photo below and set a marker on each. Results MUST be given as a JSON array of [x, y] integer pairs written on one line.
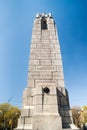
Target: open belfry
[[45, 99]]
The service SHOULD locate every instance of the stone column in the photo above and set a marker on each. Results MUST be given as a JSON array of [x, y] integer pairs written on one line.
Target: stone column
[[45, 100]]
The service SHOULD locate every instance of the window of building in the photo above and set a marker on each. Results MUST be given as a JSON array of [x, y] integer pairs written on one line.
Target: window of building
[[43, 23]]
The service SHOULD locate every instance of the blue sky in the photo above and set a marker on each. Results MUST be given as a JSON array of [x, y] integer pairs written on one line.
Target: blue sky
[[16, 22]]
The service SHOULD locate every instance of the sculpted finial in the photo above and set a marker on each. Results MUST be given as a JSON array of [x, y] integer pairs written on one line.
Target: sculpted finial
[[50, 15], [37, 15]]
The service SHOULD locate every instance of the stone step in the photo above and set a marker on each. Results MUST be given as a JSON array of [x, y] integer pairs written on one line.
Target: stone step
[[24, 127]]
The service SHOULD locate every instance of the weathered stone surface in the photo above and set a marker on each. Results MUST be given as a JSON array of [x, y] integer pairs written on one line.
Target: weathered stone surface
[[45, 75], [31, 83], [45, 62], [50, 100], [57, 62], [34, 75], [24, 102], [45, 84], [25, 93], [45, 45], [33, 46], [25, 113], [21, 120], [61, 83], [31, 112], [32, 68], [34, 62], [28, 127], [59, 68], [46, 108], [33, 92], [58, 75], [45, 100], [39, 88], [28, 120], [30, 100], [58, 56], [38, 100], [46, 68], [47, 122]]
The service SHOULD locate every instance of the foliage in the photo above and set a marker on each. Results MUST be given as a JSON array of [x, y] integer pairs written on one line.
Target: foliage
[[76, 116], [83, 114], [79, 115], [8, 116]]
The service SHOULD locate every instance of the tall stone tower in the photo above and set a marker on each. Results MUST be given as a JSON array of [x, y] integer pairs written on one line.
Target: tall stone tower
[[45, 99]]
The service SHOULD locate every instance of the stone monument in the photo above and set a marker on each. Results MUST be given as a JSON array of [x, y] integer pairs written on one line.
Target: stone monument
[[45, 99]]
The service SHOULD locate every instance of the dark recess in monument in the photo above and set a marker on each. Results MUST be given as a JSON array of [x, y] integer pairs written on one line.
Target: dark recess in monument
[[46, 90], [43, 24]]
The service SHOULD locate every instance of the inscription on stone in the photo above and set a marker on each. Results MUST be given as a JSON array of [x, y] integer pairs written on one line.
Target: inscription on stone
[[45, 68], [45, 83]]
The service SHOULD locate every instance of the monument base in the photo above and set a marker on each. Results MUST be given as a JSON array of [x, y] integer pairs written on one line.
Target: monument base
[[43, 121], [47, 122]]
